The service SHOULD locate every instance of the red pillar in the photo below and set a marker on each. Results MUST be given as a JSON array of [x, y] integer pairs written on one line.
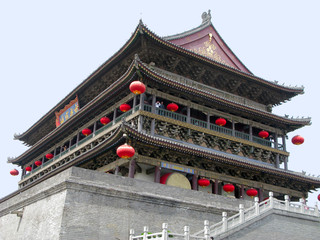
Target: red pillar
[[157, 174], [195, 182], [242, 192], [216, 186], [132, 167]]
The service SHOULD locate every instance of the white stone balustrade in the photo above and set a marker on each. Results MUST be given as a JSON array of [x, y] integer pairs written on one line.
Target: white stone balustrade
[[226, 224]]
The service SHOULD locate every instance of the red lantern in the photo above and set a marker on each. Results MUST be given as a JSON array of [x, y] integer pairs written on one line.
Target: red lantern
[[49, 156], [105, 120], [38, 163], [14, 172], [203, 182], [125, 151], [137, 87], [125, 107], [263, 134], [228, 188], [297, 140], [319, 197], [252, 192], [221, 122], [28, 169], [86, 131], [172, 107]]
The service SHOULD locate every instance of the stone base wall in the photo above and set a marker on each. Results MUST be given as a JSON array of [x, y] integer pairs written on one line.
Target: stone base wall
[[84, 204]]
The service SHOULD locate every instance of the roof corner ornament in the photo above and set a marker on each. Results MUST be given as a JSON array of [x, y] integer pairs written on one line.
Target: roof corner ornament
[[16, 136], [10, 159], [206, 17]]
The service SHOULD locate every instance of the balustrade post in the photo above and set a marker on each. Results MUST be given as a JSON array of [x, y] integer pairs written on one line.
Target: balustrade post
[[145, 232], [131, 234], [286, 201], [206, 230], [241, 213], [301, 200], [271, 199], [224, 221], [256, 205], [208, 121], [186, 233], [164, 231]]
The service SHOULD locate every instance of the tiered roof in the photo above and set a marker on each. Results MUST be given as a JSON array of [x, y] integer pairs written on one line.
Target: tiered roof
[[237, 77]]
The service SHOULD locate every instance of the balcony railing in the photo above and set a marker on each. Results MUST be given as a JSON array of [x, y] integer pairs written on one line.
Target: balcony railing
[[168, 114], [213, 127]]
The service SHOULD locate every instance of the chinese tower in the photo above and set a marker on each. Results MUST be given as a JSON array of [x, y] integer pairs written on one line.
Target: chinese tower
[[201, 138]]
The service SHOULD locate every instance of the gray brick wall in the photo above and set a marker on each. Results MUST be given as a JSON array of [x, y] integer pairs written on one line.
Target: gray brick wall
[[83, 204]]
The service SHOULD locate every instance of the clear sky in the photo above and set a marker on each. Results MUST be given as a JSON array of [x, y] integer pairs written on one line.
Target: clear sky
[[47, 48]]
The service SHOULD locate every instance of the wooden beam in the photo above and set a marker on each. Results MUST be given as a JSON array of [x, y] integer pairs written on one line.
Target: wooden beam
[[113, 165], [225, 178]]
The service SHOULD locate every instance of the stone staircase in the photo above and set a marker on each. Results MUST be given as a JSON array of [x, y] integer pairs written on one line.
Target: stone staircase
[[230, 223]]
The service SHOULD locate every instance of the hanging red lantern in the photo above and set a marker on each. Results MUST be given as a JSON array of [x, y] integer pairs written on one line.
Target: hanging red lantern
[[228, 188], [297, 140], [38, 163], [28, 169], [252, 192], [49, 156], [137, 87], [14, 172], [125, 107], [172, 107], [203, 182], [319, 197], [263, 134], [125, 151], [221, 122], [105, 120], [86, 131]]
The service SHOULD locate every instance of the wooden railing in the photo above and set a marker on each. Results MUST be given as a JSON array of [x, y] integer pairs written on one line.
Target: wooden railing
[[168, 114]]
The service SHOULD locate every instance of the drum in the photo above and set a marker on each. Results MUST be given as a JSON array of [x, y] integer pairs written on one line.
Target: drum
[[176, 180]]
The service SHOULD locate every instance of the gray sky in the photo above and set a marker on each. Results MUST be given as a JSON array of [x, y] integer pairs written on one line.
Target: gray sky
[[47, 48]]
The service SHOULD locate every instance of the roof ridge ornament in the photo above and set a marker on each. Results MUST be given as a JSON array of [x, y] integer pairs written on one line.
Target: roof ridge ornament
[[206, 17], [140, 26]]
